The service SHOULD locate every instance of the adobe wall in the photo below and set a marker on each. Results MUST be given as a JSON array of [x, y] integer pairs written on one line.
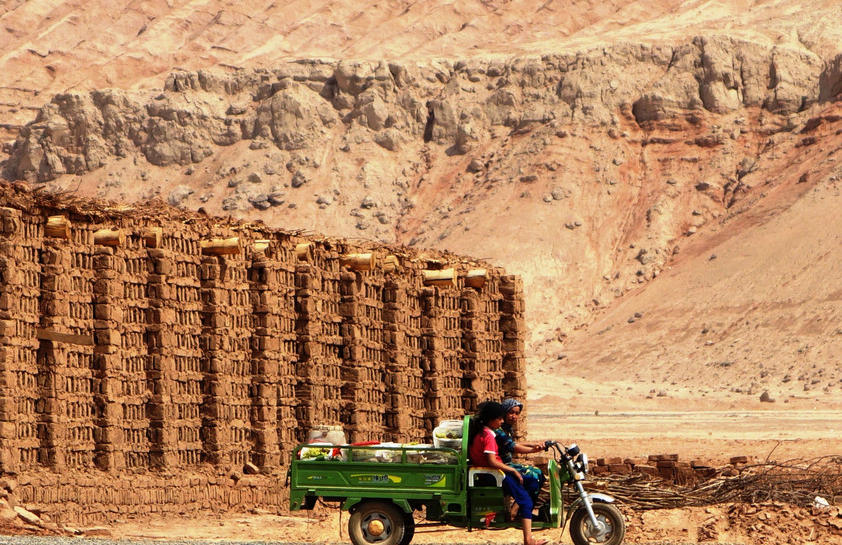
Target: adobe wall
[[150, 376]]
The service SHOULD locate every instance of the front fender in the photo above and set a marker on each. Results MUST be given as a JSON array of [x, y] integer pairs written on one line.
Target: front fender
[[595, 497]]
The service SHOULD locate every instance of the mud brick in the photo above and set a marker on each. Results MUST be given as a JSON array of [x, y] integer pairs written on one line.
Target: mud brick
[[103, 262], [9, 273], [267, 299], [511, 286], [56, 257], [472, 324], [266, 367], [267, 392], [431, 343], [108, 364], [665, 463], [304, 282], [107, 337], [666, 473], [10, 221], [685, 476], [53, 283], [160, 291], [216, 365], [103, 250], [514, 345], [211, 342], [162, 266], [352, 331], [620, 469], [108, 312], [614, 460], [309, 305], [738, 460], [161, 315], [264, 413], [647, 469], [107, 348], [8, 328], [209, 270], [600, 462], [513, 364], [629, 461], [213, 410], [659, 457], [7, 430], [705, 472], [213, 319], [108, 288], [600, 470], [266, 343]]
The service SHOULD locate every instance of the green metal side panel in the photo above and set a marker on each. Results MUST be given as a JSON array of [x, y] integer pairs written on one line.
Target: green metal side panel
[[402, 478], [336, 476]]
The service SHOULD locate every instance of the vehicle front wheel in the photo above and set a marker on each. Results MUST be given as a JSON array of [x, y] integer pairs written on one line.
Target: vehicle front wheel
[[582, 531], [380, 523]]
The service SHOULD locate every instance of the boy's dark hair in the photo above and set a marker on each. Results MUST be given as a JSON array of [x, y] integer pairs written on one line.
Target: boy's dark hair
[[486, 412]]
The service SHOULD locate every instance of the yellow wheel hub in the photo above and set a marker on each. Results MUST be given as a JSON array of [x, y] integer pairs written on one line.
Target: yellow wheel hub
[[375, 527]]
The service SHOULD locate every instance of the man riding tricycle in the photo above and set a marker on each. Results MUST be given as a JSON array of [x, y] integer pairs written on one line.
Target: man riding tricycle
[[383, 485]]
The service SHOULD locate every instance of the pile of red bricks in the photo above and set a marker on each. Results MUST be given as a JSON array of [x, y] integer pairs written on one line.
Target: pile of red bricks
[[665, 466]]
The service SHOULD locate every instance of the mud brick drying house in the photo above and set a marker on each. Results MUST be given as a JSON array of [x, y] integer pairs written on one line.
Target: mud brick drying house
[[157, 360]]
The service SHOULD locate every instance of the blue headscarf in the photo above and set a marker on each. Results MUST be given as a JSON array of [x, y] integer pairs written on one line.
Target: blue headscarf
[[510, 403]]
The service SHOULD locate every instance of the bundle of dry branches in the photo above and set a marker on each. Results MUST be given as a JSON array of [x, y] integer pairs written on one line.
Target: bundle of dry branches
[[796, 481]]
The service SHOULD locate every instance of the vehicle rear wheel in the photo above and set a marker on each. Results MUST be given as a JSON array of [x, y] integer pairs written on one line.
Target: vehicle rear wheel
[[408, 528], [380, 523], [582, 531]]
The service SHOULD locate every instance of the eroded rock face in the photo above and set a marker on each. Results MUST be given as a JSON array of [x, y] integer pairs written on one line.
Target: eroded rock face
[[301, 104]]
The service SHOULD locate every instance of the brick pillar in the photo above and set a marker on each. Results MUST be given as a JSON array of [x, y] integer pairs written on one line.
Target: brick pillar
[[10, 227], [307, 331], [216, 435], [52, 358], [432, 361], [351, 374], [109, 450], [160, 341], [398, 419], [514, 339], [266, 357], [363, 373], [472, 346]]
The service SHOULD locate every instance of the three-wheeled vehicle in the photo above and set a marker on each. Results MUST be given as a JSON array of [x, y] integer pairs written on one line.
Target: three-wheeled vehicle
[[383, 485]]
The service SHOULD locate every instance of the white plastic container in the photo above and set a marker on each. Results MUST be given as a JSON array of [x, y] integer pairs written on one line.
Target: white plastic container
[[448, 434], [333, 435]]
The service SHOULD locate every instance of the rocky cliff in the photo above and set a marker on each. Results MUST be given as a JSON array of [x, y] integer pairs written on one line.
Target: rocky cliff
[[592, 164], [323, 107]]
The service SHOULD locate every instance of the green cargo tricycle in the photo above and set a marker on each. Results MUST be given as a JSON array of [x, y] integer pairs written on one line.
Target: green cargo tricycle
[[383, 485]]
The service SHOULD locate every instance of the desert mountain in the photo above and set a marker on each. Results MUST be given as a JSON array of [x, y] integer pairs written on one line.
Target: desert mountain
[[662, 174]]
